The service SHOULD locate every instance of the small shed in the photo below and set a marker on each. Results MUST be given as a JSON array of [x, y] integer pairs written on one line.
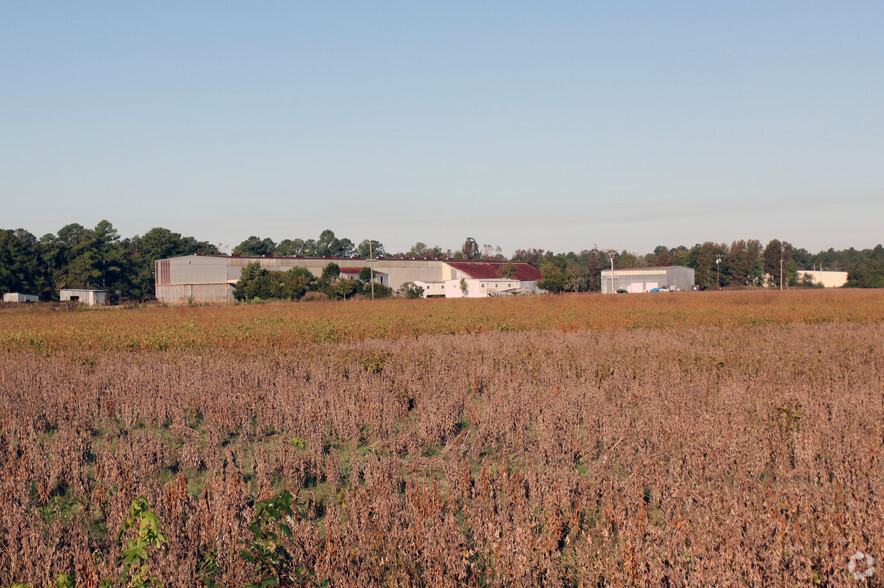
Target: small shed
[[17, 297], [87, 297]]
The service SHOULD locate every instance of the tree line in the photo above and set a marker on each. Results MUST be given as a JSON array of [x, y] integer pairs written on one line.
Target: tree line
[[80, 257], [97, 258]]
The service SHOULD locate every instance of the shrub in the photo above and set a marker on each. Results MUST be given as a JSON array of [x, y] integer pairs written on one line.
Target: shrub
[[314, 297]]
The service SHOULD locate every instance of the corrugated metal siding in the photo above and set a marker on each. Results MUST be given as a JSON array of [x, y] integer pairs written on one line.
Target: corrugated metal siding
[[195, 269], [163, 272], [180, 293]]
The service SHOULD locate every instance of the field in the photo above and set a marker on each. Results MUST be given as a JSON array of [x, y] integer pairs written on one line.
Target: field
[[673, 439]]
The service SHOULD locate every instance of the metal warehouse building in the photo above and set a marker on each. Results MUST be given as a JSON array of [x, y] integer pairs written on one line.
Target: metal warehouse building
[[213, 278], [645, 279]]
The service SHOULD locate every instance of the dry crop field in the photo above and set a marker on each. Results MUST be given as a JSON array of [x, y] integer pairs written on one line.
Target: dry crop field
[[677, 439]]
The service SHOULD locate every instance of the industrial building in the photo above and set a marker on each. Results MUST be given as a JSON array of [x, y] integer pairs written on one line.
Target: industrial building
[[213, 278], [673, 278], [87, 297]]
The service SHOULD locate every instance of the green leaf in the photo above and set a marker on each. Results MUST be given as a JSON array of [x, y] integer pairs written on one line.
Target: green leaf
[[136, 552]]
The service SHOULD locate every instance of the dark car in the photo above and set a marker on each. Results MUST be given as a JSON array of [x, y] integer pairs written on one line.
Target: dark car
[[622, 291]]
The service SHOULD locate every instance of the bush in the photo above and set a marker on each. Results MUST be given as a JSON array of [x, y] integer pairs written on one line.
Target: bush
[[412, 290], [259, 283], [314, 297]]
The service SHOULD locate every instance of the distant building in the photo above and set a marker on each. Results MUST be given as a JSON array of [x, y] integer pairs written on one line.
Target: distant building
[[17, 297], [674, 278], [87, 297], [479, 279], [213, 278], [826, 279]]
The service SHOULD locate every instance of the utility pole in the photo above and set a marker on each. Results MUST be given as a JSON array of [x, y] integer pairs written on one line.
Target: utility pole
[[371, 261], [611, 255], [781, 274], [718, 270]]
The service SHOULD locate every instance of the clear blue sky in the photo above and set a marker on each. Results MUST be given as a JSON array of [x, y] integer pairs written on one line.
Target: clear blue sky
[[549, 125]]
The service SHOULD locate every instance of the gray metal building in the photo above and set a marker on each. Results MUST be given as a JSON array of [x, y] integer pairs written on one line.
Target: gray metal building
[[644, 279]]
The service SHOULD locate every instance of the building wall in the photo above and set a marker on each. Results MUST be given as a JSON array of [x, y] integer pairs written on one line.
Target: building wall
[[180, 293], [637, 280], [483, 288], [196, 269], [218, 271], [431, 289], [827, 279], [680, 277], [398, 271]]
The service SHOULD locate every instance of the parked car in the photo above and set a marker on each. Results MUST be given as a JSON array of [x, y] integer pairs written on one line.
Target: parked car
[[622, 291]]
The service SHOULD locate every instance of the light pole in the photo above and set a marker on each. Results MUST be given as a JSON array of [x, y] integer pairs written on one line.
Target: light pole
[[718, 270], [611, 255], [781, 274], [371, 261]]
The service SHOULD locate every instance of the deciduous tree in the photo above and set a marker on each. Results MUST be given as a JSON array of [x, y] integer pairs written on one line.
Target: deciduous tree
[[373, 249], [255, 246], [553, 280]]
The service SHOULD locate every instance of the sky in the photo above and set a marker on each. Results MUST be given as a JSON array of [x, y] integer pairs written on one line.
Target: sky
[[557, 125]]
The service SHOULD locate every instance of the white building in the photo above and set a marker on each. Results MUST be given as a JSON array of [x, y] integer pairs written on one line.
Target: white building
[[87, 297], [480, 279], [213, 278]]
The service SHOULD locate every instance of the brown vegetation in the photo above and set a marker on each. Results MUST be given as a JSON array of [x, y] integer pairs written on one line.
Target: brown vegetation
[[721, 453]]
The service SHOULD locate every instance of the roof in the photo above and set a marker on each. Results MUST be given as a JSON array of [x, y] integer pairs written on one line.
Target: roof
[[489, 270]]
